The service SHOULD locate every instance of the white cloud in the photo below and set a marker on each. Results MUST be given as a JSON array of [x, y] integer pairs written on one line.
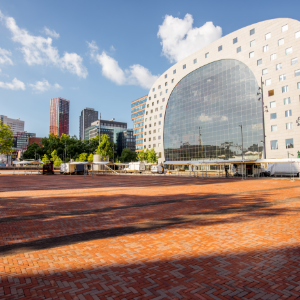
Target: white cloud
[[14, 85], [179, 39], [112, 48], [44, 85], [51, 33], [204, 118], [38, 50], [135, 75], [139, 75], [111, 69], [4, 57]]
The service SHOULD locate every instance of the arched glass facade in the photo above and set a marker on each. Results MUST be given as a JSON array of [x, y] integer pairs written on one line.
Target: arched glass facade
[[205, 110]]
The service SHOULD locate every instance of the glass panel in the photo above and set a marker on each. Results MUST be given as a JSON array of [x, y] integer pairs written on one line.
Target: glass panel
[[285, 28], [274, 145], [203, 124], [294, 61], [273, 116], [252, 31], [274, 128], [289, 143]]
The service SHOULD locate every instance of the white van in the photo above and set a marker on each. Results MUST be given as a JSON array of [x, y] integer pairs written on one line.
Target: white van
[[135, 167], [157, 169]]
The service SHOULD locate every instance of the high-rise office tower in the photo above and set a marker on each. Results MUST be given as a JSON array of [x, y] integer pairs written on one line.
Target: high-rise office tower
[[87, 117], [59, 116]]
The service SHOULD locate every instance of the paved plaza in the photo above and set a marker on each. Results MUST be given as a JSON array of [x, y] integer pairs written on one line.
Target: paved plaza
[[148, 237]]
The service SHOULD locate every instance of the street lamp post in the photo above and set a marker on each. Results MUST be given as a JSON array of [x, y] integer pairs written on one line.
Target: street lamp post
[[242, 142], [99, 128], [263, 114], [242, 150]]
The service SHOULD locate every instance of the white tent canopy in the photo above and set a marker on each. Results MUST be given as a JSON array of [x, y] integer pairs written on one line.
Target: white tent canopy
[[28, 162]]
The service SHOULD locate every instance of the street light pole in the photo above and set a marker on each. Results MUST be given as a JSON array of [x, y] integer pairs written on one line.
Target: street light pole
[[242, 151], [242, 142], [65, 151], [99, 128], [263, 115]]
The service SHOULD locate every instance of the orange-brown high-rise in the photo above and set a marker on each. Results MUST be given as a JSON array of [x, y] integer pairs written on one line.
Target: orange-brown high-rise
[[59, 116]]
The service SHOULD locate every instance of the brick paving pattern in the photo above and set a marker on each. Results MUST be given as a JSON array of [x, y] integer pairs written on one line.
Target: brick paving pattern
[[144, 237]]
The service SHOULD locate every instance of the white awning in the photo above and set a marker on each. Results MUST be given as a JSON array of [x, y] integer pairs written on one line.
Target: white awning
[[28, 162], [80, 163]]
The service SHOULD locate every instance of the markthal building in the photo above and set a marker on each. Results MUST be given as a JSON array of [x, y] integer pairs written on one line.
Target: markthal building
[[237, 97]]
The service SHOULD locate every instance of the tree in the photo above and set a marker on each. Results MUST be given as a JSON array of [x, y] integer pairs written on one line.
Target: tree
[[33, 151], [105, 147], [6, 139], [45, 159], [128, 155], [141, 156], [83, 157], [56, 159], [151, 157], [91, 157]]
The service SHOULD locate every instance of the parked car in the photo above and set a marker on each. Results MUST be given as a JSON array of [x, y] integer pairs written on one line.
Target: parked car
[[157, 169]]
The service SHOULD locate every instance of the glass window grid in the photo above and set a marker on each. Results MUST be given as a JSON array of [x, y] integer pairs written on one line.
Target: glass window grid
[[259, 62], [238, 49], [235, 40], [252, 31], [138, 102], [297, 73], [289, 125], [184, 66], [297, 34], [287, 101], [220, 48], [235, 84], [278, 66]]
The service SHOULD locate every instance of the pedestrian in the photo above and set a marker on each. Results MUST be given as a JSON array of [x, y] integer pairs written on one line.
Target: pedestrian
[[226, 171]]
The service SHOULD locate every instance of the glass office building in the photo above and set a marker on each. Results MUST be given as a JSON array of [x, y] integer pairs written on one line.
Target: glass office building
[[205, 110]]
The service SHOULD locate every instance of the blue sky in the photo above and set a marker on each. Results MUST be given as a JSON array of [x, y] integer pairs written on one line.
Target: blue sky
[[105, 54]]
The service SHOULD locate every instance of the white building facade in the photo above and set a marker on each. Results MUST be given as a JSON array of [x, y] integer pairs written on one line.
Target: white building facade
[[209, 105], [16, 124]]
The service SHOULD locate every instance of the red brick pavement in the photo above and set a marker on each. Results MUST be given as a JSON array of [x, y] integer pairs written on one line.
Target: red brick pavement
[[131, 237]]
